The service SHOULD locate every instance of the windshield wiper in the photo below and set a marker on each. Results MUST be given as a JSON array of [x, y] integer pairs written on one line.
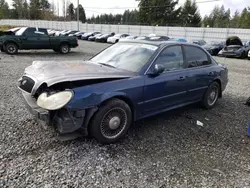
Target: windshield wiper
[[107, 65]]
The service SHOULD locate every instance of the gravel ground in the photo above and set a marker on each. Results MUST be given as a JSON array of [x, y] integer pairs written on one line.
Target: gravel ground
[[167, 150]]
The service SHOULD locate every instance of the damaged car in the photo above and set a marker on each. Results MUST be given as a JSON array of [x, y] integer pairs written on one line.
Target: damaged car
[[126, 82], [234, 48]]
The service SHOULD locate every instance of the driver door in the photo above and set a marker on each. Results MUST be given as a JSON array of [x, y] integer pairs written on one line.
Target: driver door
[[29, 39], [168, 89]]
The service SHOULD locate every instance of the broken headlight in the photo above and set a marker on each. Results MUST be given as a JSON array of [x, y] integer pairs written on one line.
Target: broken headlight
[[54, 101]]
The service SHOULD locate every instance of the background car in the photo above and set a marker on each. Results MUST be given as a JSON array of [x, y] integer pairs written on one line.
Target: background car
[[104, 37], [86, 36], [116, 38], [77, 34], [131, 37], [178, 39], [142, 38], [234, 48], [159, 38], [213, 47], [92, 38], [69, 32], [199, 42]]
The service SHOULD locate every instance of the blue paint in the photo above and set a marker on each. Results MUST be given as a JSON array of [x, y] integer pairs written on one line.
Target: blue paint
[[248, 130]]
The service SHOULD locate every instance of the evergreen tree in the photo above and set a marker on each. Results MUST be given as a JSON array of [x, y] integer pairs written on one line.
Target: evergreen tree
[[71, 12], [4, 9], [82, 15], [190, 16]]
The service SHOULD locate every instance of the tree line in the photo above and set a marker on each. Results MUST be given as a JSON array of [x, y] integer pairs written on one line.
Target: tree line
[[150, 12]]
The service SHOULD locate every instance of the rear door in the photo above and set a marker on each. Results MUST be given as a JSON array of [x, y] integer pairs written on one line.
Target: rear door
[[169, 88], [200, 71]]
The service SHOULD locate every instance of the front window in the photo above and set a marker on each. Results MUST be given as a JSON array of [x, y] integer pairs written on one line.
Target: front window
[[127, 56]]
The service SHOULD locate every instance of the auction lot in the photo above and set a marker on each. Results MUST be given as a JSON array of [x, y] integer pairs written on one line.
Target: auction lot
[[167, 150]]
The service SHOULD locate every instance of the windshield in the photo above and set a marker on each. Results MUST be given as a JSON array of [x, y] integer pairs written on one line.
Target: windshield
[[21, 31], [128, 56]]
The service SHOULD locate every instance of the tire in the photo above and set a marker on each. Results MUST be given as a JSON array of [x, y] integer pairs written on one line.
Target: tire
[[2, 49], [243, 55], [11, 48], [211, 96], [116, 41], [64, 48], [111, 122]]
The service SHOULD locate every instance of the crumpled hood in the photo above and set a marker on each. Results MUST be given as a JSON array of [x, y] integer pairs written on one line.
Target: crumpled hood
[[52, 72]]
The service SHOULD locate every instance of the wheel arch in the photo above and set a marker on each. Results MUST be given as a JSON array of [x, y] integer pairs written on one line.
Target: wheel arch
[[11, 41]]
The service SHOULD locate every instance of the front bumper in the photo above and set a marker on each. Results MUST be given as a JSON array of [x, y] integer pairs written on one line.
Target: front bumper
[[232, 54], [63, 120]]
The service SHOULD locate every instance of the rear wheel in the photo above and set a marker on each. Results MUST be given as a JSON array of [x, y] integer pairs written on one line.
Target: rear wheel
[[11, 48], [111, 122], [211, 96], [64, 48], [2, 49]]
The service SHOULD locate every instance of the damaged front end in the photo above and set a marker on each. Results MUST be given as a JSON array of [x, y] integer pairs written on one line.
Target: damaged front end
[[65, 121]]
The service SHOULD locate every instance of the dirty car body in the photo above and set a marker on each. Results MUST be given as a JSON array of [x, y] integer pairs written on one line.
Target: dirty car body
[[155, 77]]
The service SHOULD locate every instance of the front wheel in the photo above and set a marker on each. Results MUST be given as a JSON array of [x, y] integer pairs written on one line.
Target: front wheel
[[111, 122], [211, 96], [64, 48], [11, 48]]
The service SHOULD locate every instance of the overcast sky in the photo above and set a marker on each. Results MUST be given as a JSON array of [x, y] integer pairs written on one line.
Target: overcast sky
[[92, 6]]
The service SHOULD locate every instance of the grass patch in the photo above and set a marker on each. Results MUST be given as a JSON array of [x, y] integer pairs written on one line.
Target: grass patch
[[5, 27]]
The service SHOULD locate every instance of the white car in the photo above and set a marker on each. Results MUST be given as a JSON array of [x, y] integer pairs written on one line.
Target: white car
[[116, 38]]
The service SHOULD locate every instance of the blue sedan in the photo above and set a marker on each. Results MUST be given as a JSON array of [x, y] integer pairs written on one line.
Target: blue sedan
[[128, 81]]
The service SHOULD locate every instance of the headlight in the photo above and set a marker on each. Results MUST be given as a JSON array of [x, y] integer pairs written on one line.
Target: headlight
[[54, 101]]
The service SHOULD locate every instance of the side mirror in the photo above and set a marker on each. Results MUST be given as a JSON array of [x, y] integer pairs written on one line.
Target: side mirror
[[158, 69]]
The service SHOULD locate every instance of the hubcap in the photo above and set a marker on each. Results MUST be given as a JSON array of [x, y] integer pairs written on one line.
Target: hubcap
[[212, 98], [113, 123], [65, 49], [11, 49]]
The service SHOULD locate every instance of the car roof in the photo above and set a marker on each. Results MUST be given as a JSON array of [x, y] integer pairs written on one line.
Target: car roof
[[157, 43]]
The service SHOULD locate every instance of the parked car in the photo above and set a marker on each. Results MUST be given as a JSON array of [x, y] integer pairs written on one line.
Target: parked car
[[36, 38], [142, 38], [159, 38], [116, 38], [103, 96], [92, 38], [77, 34], [178, 40], [131, 37], [86, 36], [104, 38], [199, 42], [69, 32], [213, 47], [234, 48]]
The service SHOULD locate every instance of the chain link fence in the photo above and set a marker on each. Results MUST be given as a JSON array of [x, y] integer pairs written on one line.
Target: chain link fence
[[189, 33]]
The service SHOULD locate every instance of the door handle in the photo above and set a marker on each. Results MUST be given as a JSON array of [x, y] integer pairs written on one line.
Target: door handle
[[182, 78]]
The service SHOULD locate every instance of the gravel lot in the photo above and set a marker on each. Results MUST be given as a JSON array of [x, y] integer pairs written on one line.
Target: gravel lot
[[168, 150]]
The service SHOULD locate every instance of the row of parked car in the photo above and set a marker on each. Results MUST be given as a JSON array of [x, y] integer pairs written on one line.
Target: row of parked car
[[232, 47]]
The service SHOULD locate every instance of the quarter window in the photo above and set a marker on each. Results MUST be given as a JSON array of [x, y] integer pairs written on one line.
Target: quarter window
[[171, 58], [196, 57]]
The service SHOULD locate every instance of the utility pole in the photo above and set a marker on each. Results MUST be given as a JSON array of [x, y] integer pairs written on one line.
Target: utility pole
[[78, 15]]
